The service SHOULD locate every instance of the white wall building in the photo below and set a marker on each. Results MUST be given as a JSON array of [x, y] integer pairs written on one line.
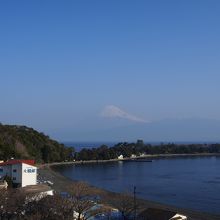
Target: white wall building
[[120, 157], [22, 172], [178, 217]]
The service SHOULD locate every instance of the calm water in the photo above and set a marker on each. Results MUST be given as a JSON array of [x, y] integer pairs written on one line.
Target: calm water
[[184, 182]]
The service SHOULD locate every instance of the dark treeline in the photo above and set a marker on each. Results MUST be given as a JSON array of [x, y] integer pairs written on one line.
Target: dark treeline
[[128, 149], [22, 142]]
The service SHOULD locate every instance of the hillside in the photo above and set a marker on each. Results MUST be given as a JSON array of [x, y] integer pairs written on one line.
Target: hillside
[[24, 142]]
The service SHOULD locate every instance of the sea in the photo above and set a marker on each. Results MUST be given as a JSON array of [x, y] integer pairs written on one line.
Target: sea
[[185, 182]]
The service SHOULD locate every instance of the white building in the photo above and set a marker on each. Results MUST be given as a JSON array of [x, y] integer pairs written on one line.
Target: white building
[[120, 157], [22, 172], [178, 217]]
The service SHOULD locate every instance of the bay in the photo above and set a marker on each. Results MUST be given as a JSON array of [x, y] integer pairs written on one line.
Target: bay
[[185, 182]]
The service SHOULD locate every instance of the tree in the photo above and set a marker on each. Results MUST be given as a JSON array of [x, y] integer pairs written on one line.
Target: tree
[[125, 204], [50, 208], [17, 204], [82, 196], [12, 203], [23, 142]]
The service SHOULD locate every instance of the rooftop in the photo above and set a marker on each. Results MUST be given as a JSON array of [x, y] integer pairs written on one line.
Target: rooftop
[[11, 162]]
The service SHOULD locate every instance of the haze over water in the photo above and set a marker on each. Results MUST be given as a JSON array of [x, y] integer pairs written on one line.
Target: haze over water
[[189, 182]]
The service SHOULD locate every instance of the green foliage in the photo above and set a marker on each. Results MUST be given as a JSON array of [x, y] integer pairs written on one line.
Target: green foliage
[[127, 149], [21, 142]]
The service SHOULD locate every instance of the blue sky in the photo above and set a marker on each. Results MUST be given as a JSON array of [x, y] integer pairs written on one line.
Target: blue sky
[[62, 63]]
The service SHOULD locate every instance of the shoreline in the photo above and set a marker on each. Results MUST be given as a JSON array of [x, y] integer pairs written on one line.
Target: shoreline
[[62, 183], [148, 156]]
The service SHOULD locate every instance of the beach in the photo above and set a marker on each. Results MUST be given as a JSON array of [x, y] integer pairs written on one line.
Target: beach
[[147, 156], [62, 184]]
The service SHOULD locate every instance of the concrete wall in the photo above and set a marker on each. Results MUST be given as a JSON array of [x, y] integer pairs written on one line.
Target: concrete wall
[[21, 174], [16, 173], [6, 170], [29, 175]]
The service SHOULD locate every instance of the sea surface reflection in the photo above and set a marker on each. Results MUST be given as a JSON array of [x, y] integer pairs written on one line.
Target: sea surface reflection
[[186, 182]]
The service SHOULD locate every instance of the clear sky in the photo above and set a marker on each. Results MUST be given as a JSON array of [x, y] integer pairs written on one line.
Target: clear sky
[[65, 65]]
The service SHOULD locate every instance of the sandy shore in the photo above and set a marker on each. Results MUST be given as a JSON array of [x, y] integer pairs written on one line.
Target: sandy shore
[[62, 184], [148, 156]]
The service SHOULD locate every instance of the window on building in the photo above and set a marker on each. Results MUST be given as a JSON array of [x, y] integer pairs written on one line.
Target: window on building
[[1, 170], [14, 178], [14, 170]]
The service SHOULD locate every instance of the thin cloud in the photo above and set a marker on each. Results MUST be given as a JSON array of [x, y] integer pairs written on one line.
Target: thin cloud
[[112, 111]]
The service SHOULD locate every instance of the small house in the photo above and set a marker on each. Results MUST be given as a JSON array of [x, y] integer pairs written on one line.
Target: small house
[[22, 172], [120, 157]]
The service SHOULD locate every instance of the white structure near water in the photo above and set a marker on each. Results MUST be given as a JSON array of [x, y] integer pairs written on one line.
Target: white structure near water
[[22, 172], [179, 217], [120, 157]]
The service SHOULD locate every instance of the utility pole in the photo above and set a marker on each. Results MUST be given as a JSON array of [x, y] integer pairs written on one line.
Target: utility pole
[[135, 206]]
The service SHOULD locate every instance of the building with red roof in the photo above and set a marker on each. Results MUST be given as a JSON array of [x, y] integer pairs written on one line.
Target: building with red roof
[[22, 172]]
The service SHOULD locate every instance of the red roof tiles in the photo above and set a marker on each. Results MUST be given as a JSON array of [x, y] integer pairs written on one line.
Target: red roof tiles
[[11, 162]]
